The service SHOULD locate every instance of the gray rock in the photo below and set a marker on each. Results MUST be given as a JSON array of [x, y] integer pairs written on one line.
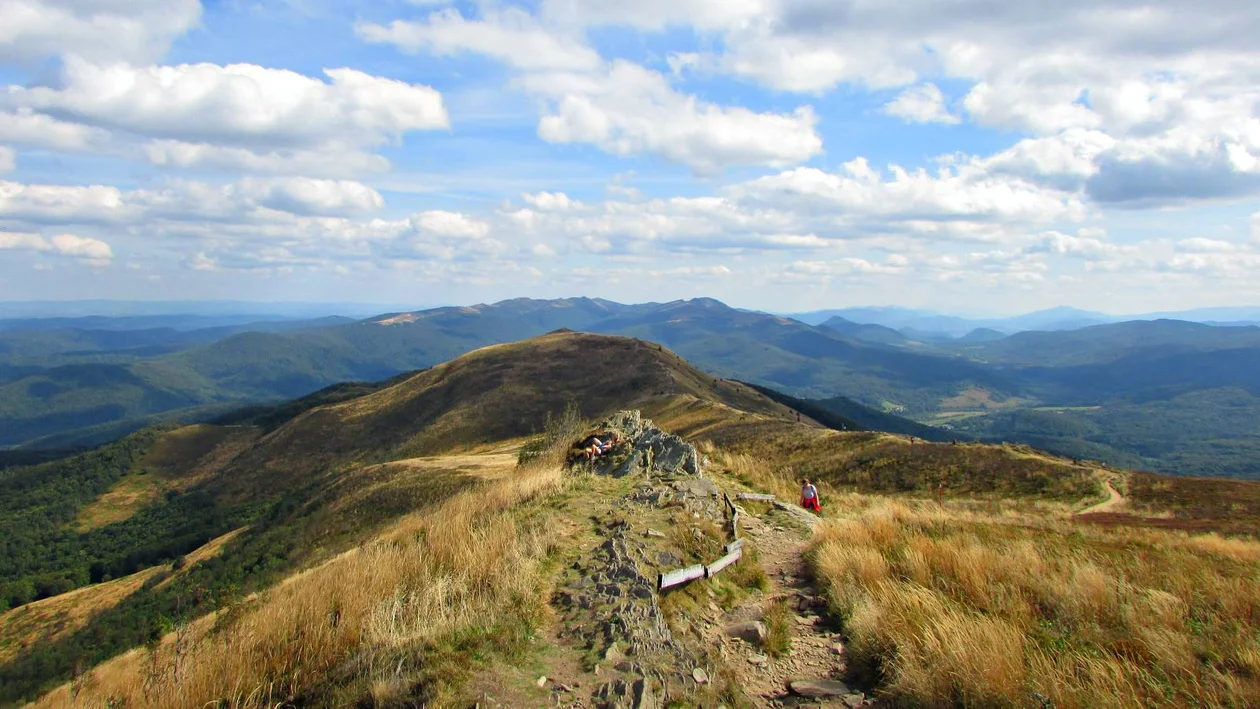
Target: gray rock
[[853, 701], [759, 660], [698, 487], [654, 533], [819, 688], [753, 631], [700, 676], [645, 696]]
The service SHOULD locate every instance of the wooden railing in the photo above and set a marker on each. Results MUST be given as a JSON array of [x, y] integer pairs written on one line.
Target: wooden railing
[[734, 550]]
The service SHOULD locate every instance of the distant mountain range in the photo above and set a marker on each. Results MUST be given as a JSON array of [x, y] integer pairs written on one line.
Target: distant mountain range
[[930, 325], [1164, 394]]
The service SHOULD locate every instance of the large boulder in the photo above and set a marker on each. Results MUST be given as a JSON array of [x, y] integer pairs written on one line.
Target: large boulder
[[651, 450]]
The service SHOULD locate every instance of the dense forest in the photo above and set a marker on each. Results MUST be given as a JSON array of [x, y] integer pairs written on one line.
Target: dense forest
[[1211, 432], [43, 554]]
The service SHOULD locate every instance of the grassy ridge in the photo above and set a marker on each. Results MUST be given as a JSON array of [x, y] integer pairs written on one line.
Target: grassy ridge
[[876, 462], [312, 487]]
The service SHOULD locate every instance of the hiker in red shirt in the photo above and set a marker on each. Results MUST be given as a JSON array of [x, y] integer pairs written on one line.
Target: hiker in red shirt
[[809, 497]]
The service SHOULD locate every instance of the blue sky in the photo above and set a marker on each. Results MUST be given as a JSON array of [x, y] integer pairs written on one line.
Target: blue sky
[[777, 154]]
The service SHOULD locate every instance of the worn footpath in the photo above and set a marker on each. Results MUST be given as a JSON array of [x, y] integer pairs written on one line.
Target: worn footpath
[[620, 642]]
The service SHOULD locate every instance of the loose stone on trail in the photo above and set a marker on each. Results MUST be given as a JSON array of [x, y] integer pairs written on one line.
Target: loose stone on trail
[[819, 688]]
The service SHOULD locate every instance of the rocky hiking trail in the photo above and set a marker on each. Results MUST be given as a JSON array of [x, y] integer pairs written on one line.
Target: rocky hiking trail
[[811, 672], [616, 641]]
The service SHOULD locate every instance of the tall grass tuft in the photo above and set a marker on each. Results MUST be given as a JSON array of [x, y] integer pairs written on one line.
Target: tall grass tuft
[[951, 607]]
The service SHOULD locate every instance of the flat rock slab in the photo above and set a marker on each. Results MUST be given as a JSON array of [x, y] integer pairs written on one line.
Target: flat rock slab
[[819, 688], [809, 519], [697, 487]]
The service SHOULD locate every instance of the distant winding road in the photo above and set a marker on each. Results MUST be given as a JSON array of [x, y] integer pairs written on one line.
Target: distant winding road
[[1114, 499]]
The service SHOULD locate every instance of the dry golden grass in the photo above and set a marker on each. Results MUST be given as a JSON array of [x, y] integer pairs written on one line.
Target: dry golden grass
[[176, 461], [132, 493], [483, 466], [953, 606], [355, 626], [53, 618], [977, 398], [775, 453]]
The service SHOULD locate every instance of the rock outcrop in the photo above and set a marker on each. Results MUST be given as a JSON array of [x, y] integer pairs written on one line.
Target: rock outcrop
[[609, 603], [651, 450]]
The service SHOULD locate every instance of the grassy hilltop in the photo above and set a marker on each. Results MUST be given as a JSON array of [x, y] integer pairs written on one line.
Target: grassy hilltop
[[379, 545]]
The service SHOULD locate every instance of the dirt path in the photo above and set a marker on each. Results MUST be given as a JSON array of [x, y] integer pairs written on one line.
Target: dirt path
[[817, 651], [1115, 499]]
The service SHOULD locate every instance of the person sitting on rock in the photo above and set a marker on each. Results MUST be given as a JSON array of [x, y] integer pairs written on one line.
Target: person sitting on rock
[[595, 449], [613, 440], [809, 496]]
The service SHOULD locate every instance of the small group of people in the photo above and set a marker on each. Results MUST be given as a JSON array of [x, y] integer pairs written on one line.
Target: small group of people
[[809, 497], [593, 447]]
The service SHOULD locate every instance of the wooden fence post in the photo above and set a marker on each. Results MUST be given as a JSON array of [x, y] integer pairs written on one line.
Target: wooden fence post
[[712, 569]]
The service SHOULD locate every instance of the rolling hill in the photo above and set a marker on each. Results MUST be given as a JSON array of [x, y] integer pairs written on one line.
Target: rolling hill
[[865, 332], [269, 366], [306, 478], [380, 544]]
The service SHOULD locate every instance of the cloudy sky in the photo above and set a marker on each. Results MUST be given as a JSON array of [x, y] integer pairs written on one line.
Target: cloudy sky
[[986, 155]]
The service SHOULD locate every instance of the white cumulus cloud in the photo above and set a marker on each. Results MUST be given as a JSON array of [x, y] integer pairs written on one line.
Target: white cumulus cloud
[[630, 110], [551, 201], [86, 249], [328, 162], [102, 30], [621, 107], [249, 199], [450, 224], [242, 105], [510, 35], [921, 104]]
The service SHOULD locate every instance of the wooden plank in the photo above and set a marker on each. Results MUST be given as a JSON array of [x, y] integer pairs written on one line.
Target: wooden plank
[[735, 525], [715, 567], [679, 577], [755, 496], [737, 544]]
